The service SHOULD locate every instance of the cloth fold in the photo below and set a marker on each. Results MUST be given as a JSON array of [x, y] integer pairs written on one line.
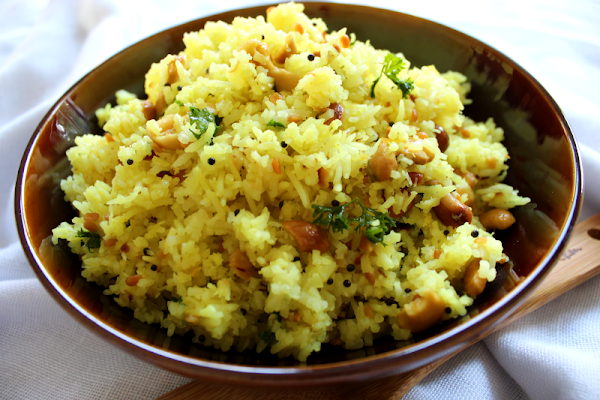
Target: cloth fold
[[47, 45]]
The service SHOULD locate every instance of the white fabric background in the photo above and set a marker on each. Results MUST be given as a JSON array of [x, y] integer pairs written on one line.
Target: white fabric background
[[46, 45]]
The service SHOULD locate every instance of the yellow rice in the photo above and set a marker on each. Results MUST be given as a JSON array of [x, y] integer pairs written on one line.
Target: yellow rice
[[175, 231]]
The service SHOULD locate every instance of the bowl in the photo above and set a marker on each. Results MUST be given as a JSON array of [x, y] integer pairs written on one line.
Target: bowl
[[545, 166]]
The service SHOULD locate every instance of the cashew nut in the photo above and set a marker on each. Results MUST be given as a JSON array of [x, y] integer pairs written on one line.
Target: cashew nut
[[284, 80], [239, 261], [422, 313], [308, 236], [286, 50], [472, 282], [383, 161]]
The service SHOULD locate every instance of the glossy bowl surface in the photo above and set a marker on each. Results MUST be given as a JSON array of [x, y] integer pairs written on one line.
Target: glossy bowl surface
[[545, 166]]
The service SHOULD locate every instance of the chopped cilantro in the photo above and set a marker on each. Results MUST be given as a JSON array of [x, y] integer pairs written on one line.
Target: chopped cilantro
[[268, 337], [275, 124], [179, 103], [376, 224], [177, 299], [93, 241], [201, 119], [392, 65]]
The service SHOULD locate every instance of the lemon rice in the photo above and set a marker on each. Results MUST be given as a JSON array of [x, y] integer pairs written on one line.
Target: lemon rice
[[209, 206]]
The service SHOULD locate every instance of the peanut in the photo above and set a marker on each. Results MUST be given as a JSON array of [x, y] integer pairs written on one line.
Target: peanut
[[497, 218]]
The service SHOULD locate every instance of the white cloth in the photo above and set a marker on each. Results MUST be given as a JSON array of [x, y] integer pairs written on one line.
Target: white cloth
[[46, 45]]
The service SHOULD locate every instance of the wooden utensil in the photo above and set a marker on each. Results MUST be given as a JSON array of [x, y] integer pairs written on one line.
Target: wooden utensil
[[579, 262]]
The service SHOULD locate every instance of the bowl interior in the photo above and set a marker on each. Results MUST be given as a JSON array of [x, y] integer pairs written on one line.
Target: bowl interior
[[544, 166]]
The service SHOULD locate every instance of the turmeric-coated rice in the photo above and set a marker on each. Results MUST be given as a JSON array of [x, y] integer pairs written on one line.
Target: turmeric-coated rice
[[283, 187]]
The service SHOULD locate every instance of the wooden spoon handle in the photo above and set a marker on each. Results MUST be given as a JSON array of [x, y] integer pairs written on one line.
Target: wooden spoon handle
[[579, 262]]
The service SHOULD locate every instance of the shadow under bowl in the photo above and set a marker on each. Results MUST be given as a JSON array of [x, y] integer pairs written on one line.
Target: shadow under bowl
[[544, 166]]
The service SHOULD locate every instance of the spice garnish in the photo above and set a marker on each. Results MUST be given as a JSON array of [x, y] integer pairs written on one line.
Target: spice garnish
[[392, 65], [93, 241], [275, 124], [268, 337], [201, 119], [377, 224]]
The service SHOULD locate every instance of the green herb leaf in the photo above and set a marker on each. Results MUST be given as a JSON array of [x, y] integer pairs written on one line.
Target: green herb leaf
[[332, 217], [392, 65], [376, 224], [179, 103], [275, 124], [201, 119], [93, 241], [268, 337]]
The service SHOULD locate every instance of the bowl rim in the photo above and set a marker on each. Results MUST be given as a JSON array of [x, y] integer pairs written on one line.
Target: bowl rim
[[365, 368]]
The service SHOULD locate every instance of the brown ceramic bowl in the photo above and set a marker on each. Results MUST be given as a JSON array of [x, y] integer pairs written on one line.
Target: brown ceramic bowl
[[545, 166]]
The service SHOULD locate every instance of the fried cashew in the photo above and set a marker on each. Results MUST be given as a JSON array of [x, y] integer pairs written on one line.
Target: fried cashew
[[161, 104], [284, 80], [469, 177], [472, 282], [286, 50], [308, 236], [383, 162], [324, 177], [462, 189], [419, 157], [149, 110], [422, 313], [338, 113], [173, 75], [168, 138], [239, 261]]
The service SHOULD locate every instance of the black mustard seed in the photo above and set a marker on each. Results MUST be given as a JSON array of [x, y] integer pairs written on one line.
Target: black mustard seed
[[335, 203], [211, 161], [350, 267], [330, 281], [311, 57], [475, 233], [129, 162], [347, 283]]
